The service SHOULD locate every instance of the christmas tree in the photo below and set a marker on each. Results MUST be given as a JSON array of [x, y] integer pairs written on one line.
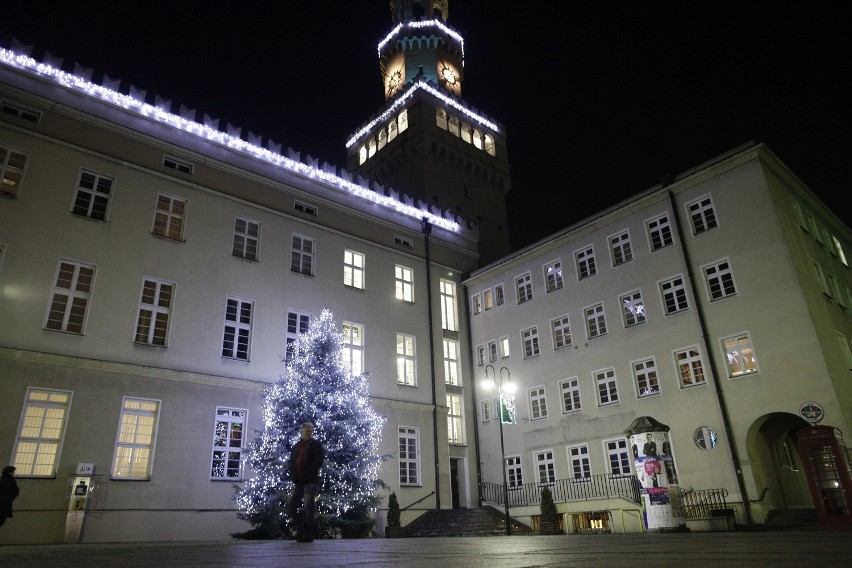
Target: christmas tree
[[317, 387]]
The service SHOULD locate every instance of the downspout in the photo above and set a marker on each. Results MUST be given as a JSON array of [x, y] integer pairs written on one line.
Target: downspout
[[427, 230], [720, 396]]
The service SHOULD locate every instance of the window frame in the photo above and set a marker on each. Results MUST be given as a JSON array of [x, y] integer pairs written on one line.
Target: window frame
[[646, 378], [403, 283], [620, 245], [560, 332], [122, 430], [353, 346], [571, 387], [156, 309], [514, 472], [227, 458], [41, 398], [537, 403], [631, 315], [596, 319], [297, 323], [530, 342], [722, 279], [606, 379], [455, 419], [585, 261], [246, 242], [449, 305], [406, 361], [168, 218], [579, 462], [523, 287], [302, 257], [678, 292], [238, 326], [354, 269], [692, 357], [452, 366], [662, 228], [72, 295], [742, 343], [8, 171], [545, 467], [618, 456], [553, 276], [411, 437], [697, 210], [93, 193]]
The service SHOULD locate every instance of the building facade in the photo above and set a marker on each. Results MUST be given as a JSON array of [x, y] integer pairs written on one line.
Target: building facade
[[717, 305]]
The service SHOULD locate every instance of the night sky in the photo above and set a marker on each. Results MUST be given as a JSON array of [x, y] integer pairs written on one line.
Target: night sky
[[600, 98]]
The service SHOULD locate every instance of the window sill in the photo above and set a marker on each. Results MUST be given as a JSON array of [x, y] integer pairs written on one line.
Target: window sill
[[167, 238], [355, 288], [244, 259]]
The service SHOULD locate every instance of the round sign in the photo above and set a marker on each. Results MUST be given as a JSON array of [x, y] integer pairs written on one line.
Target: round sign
[[812, 412]]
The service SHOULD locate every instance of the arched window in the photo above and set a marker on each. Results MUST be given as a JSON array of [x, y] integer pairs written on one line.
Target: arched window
[[383, 139], [403, 120], [371, 147], [362, 155], [477, 138], [465, 132], [489, 145], [453, 125], [441, 116], [392, 130]]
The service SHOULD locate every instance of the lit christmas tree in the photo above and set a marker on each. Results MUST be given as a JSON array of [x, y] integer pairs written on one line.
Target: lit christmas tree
[[317, 387]]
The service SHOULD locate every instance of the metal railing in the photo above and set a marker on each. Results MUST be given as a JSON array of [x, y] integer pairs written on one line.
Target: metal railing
[[701, 503], [564, 490]]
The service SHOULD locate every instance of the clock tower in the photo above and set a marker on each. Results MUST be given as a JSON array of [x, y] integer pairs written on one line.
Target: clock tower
[[426, 142]]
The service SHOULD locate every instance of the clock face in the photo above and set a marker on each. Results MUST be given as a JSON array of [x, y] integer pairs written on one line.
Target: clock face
[[449, 75], [394, 82]]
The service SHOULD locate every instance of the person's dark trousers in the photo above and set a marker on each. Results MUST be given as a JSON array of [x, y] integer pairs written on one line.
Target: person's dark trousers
[[303, 492]]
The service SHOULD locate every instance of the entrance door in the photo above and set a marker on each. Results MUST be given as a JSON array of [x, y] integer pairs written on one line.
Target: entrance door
[[454, 482]]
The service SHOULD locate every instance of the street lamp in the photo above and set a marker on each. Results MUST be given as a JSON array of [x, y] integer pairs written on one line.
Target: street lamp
[[507, 387]]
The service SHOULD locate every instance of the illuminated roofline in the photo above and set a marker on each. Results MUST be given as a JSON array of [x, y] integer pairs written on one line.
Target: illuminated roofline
[[204, 132], [423, 24], [420, 83]]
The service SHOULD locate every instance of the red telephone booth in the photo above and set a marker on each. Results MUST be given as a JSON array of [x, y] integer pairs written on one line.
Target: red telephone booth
[[826, 462]]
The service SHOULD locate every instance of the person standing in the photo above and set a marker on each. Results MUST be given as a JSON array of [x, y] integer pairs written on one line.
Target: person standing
[[8, 492], [306, 460]]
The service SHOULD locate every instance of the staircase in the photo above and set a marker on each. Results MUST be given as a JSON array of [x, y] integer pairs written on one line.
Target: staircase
[[792, 520], [484, 521]]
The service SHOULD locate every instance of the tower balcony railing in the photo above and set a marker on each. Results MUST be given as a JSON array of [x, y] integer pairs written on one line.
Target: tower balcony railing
[[565, 490]]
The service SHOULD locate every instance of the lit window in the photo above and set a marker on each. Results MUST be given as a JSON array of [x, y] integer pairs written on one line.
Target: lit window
[[465, 132], [383, 138], [477, 138], [586, 265], [302, 255], [529, 339], [607, 386], [595, 321], [689, 366], [674, 295], [553, 276], [659, 232], [228, 443], [453, 125], [489, 145], [645, 373], [12, 165], [409, 456], [523, 286], [571, 395], [702, 214], [246, 236], [538, 403], [545, 467], [619, 458], [739, 355], [720, 280], [91, 199], [41, 432], [137, 432], [70, 296], [441, 118], [581, 467], [169, 216], [353, 346], [393, 130], [455, 419], [402, 119], [353, 269], [621, 248], [362, 155], [155, 309], [504, 346], [371, 147], [451, 363], [488, 299], [561, 329], [448, 306], [838, 249], [236, 339], [404, 278], [632, 308], [405, 371]]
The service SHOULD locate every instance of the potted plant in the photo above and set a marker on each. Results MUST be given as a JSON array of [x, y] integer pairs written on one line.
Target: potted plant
[[393, 528], [549, 523]]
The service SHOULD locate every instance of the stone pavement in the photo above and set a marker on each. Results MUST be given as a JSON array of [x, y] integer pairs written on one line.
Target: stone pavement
[[689, 550]]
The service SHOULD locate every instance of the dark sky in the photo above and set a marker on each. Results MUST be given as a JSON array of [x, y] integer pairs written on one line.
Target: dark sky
[[600, 98]]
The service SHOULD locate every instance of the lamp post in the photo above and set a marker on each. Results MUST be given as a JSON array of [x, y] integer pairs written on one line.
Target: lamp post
[[502, 388]]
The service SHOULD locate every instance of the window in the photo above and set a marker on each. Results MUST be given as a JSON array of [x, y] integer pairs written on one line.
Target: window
[[504, 346], [485, 410], [448, 306], [820, 276], [451, 363], [538, 403], [246, 235], [155, 308], [620, 248], [405, 374], [702, 214], [92, 195], [13, 109], [689, 367], [674, 295], [353, 269], [845, 349], [586, 262], [739, 355], [659, 232], [595, 321], [70, 297], [499, 296], [41, 432], [529, 338], [838, 250], [632, 308], [553, 276], [476, 304], [480, 355], [492, 351], [302, 258], [514, 472], [441, 118], [297, 324], [561, 329], [402, 241], [179, 165], [488, 144], [236, 338], [523, 285], [353, 346], [571, 395], [545, 467], [720, 280], [581, 467], [305, 208], [645, 373], [607, 387], [455, 420], [488, 299], [12, 165], [619, 458], [228, 443], [409, 456], [169, 216], [840, 290], [137, 433], [404, 278]]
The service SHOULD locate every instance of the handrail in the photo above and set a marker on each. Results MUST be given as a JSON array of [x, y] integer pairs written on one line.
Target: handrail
[[416, 502], [700, 503], [563, 490]]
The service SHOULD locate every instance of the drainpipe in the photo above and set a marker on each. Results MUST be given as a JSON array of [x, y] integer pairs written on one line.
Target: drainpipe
[[427, 230], [720, 396]]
